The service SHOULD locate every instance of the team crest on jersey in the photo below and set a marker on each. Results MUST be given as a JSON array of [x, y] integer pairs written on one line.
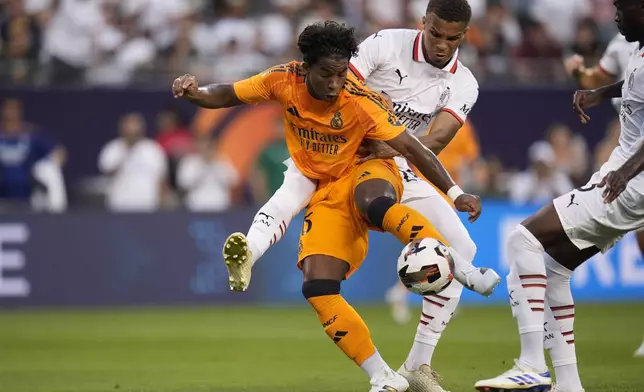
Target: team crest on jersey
[[631, 80], [337, 122], [442, 101]]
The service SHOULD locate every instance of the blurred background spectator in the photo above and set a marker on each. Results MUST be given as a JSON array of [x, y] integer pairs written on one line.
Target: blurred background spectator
[[206, 178], [542, 181], [135, 166], [30, 164]]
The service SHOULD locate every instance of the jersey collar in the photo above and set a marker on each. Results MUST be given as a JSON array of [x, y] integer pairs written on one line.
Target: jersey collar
[[418, 55]]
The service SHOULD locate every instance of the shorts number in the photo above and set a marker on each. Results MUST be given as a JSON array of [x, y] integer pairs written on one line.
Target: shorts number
[[409, 175], [308, 224], [588, 188]]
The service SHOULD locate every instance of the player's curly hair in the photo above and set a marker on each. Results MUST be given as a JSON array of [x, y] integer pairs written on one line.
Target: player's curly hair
[[450, 10], [328, 39]]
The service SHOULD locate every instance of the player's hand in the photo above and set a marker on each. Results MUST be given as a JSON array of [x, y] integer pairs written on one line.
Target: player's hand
[[574, 63], [184, 86], [470, 204], [375, 149], [584, 99], [615, 183]]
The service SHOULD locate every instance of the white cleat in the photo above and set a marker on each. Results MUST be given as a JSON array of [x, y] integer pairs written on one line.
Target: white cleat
[[557, 388], [640, 352], [389, 381], [237, 257], [482, 280], [518, 379], [424, 379]]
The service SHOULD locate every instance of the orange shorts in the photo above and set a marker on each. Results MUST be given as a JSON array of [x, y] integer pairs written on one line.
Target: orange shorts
[[332, 224]]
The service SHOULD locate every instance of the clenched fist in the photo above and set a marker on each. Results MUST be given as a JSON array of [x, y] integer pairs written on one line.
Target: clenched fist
[[185, 85]]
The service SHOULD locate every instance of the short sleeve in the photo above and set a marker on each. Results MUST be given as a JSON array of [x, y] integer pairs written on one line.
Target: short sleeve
[[263, 86], [371, 53], [465, 92], [609, 62], [375, 116]]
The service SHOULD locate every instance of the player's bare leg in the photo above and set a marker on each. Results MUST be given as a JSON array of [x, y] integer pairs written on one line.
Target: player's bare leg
[[322, 278], [528, 280]]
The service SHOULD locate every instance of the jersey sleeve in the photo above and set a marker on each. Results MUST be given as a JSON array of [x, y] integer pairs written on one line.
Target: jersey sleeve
[[609, 62], [371, 53], [464, 96], [380, 122], [262, 87]]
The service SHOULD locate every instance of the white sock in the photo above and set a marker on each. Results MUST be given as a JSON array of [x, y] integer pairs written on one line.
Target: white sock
[[527, 286], [269, 226], [272, 220], [436, 314], [438, 309], [562, 308], [375, 365]]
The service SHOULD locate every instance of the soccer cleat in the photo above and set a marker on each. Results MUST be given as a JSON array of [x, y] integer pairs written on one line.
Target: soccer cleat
[[424, 379], [557, 388], [482, 280], [237, 257], [640, 352], [518, 379], [388, 381]]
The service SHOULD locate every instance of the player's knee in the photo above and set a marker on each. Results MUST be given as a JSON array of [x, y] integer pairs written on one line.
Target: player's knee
[[367, 192], [375, 211], [320, 287]]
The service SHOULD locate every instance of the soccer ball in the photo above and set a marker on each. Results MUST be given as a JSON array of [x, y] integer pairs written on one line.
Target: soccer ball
[[425, 266]]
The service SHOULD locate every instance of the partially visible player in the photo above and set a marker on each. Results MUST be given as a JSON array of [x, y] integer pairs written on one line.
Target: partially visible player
[[548, 246], [610, 69], [327, 115]]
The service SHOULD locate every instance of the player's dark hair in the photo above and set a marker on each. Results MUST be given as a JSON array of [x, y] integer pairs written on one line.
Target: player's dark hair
[[328, 39], [450, 10]]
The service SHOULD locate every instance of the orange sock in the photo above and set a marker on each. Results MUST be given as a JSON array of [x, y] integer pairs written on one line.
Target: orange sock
[[408, 224], [345, 326]]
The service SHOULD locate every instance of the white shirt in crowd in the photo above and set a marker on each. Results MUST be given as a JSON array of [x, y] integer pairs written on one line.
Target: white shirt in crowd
[[73, 31], [138, 172], [528, 187], [208, 184]]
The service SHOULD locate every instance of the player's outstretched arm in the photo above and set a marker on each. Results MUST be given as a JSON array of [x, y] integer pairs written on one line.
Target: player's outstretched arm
[[585, 99], [587, 78], [212, 96], [425, 160]]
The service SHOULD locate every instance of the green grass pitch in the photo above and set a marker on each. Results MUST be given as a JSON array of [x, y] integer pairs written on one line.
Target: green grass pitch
[[279, 349]]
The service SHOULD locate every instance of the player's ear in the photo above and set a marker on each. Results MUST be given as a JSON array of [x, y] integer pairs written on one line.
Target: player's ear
[[424, 20]]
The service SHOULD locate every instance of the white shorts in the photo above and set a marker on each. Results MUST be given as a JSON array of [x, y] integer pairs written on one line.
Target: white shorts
[[588, 221], [414, 187]]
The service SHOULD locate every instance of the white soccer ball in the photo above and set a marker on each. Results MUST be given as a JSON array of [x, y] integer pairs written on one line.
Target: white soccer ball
[[426, 266]]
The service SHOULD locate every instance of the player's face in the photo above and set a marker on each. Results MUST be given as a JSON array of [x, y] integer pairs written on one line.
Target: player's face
[[629, 16], [326, 78], [441, 38]]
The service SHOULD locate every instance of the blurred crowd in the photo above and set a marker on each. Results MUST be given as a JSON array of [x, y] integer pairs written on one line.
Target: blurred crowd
[[165, 166], [116, 42]]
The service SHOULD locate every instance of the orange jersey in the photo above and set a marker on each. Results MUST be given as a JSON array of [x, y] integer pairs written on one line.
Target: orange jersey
[[322, 137]]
